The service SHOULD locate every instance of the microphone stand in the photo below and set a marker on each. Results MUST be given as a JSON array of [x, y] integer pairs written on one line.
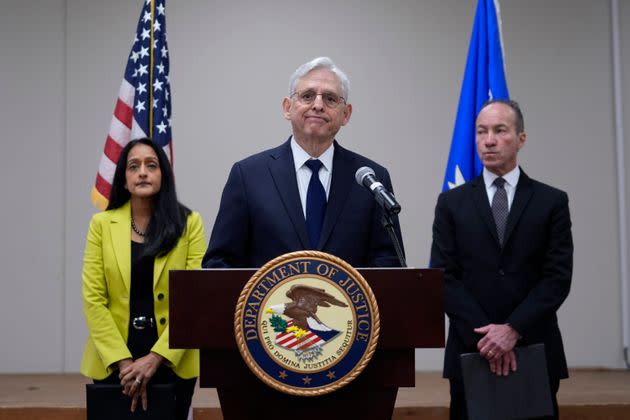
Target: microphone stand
[[388, 224]]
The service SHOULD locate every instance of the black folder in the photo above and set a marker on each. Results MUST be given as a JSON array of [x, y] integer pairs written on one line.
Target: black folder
[[522, 394], [107, 402]]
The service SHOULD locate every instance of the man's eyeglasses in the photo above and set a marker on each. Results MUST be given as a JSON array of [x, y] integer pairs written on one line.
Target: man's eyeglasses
[[330, 99]]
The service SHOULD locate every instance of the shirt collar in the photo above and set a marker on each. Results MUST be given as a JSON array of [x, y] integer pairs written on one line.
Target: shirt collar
[[300, 156], [511, 178]]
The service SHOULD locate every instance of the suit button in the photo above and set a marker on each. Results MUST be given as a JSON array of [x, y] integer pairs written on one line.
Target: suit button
[[501, 272], [161, 296], [162, 321]]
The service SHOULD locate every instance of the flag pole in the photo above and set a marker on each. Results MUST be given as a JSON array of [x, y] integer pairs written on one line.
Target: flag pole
[[621, 186], [151, 58]]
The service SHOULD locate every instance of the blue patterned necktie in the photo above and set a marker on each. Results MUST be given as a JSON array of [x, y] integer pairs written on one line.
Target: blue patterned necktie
[[500, 208], [315, 203]]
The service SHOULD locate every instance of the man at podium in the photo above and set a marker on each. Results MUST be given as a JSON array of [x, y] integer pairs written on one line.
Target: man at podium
[[272, 204]]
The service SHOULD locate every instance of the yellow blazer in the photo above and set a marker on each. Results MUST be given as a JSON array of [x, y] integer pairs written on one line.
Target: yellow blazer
[[106, 290]]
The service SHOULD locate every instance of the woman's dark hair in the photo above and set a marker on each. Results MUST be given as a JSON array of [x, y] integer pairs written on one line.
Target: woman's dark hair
[[168, 220]]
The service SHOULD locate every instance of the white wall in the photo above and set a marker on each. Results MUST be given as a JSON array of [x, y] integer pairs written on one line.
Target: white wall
[[560, 67], [62, 63], [32, 112], [625, 88]]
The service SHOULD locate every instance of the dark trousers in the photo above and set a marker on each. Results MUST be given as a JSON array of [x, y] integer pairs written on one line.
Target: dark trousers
[[458, 409], [184, 388]]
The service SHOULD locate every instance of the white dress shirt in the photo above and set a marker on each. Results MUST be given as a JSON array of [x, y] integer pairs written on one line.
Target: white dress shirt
[[303, 173], [511, 180]]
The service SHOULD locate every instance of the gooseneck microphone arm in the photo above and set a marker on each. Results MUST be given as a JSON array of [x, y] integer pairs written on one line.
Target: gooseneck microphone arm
[[388, 224], [366, 177]]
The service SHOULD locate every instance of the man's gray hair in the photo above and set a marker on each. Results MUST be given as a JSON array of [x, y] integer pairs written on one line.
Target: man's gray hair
[[320, 63]]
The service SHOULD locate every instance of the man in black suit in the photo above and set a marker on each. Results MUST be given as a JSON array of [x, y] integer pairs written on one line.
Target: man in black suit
[[505, 243], [272, 205]]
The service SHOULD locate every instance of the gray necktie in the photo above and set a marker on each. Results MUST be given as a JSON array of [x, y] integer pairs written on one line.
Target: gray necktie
[[500, 208]]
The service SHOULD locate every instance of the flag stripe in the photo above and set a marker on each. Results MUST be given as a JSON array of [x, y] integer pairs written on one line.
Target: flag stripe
[[119, 132], [308, 340], [124, 113], [285, 339], [102, 186], [106, 169], [288, 340], [126, 93], [112, 149], [313, 341]]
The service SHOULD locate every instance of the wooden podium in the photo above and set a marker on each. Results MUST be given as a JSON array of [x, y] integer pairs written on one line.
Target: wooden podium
[[202, 305]]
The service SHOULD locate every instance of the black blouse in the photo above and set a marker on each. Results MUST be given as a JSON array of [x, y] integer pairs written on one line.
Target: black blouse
[[140, 341]]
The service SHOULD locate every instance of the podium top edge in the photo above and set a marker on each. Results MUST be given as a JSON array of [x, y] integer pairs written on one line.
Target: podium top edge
[[357, 268]]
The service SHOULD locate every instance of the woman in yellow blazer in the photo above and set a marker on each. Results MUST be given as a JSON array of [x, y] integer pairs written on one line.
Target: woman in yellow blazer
[[130, 248]]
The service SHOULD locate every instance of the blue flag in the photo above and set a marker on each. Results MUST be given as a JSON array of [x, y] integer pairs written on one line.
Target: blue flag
[[484, 79]]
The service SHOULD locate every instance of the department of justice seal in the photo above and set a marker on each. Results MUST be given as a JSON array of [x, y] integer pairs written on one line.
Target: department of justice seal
[[307, 323]]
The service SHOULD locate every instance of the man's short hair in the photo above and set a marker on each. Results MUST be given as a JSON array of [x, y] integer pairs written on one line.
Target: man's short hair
[[320, 63], [518, 115]]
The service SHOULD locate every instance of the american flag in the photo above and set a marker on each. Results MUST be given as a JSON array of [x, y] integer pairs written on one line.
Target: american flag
[[289, 341], [143, 108]]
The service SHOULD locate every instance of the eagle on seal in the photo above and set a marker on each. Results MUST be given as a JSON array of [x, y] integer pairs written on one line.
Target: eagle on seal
[[302, 309]]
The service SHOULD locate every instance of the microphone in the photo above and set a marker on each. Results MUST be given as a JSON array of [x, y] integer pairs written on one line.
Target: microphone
[[365, 176]]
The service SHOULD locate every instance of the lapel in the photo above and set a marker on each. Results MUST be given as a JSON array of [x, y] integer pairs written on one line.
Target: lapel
[[158, 266], [522, 195], [120, 230], [282, 170], [480, 198], [340, 184]]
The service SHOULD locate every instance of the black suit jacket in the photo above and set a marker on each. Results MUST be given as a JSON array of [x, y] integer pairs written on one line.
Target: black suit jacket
[[261, 215], [523, 284]]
